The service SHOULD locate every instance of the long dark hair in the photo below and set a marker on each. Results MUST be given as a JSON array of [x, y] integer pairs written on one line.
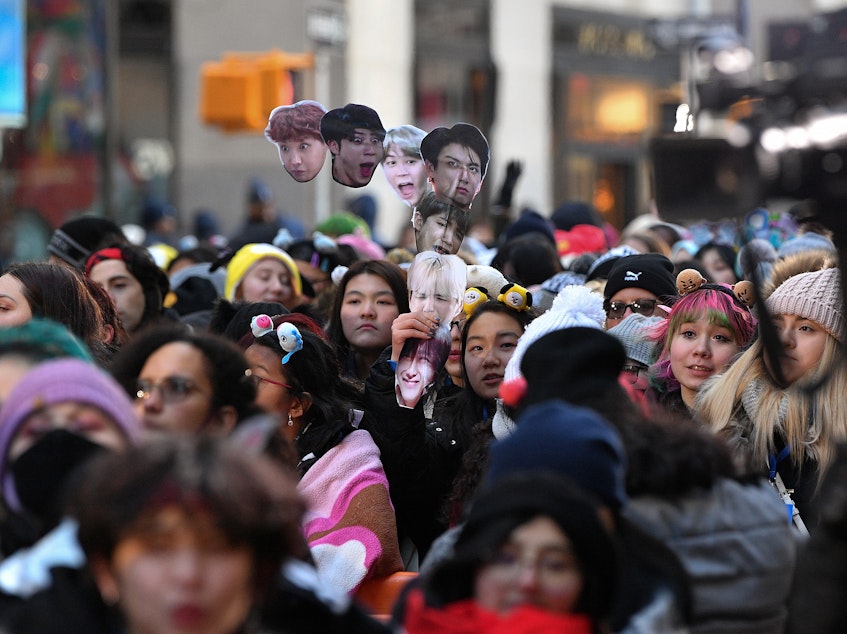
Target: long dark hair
[[57, 292], [472, 417], [511, 502], [154, 281], [388, 271], [315, 370]]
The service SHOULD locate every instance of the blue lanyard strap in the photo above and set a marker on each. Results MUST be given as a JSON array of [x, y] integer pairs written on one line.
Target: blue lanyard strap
[[775, 459]]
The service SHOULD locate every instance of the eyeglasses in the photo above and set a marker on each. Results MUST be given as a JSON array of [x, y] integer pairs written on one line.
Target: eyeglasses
[[172, 389], [509, 564], [260, 379], [616, 310], [631, 372]]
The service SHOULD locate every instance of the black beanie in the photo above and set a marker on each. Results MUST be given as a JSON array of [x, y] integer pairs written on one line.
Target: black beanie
[[529, 221], [572, 364], [570, 214], [515, 499], [75, 240], [651, 271]]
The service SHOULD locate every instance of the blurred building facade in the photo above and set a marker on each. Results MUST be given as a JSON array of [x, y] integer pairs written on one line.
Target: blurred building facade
[[571, 89]]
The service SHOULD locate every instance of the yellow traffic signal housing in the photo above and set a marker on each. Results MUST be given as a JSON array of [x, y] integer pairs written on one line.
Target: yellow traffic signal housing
[[239, 92], [230, 97]]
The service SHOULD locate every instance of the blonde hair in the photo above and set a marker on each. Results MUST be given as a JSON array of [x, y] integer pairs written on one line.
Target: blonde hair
[[813, 423], [407, 138], [435, 273]]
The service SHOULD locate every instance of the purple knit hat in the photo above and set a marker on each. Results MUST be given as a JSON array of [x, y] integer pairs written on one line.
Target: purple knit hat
[[54, 382]]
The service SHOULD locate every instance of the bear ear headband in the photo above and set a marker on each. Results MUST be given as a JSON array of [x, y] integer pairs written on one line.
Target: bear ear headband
[[690, 280], [514, 296], [474, 297], [290, 339]]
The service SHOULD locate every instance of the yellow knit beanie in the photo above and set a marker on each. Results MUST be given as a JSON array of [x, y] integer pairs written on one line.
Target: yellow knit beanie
[[247, 256]]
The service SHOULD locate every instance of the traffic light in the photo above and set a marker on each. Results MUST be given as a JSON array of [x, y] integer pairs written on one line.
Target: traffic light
[[238, 92]]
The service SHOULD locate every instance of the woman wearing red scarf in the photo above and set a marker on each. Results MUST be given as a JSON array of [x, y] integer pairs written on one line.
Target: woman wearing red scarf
[[534, 556]]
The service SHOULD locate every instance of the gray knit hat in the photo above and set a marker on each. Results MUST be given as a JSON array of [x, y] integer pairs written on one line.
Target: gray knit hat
[[815, 296], [633, 332]]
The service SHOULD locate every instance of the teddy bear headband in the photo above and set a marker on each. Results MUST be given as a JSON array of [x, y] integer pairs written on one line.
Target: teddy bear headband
[[514, 296], [690, 280]]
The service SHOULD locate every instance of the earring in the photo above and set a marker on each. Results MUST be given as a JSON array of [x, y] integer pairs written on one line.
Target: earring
[[290, 422]]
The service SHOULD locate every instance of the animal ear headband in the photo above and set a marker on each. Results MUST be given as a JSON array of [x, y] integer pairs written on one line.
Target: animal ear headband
[[514, 296], [290, 339], [690, 280], [474, 297]]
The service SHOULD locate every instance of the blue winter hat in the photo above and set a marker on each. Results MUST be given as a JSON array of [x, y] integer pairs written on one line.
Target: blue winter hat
[[572, 441], [258, 191], [809, 241], [153, 211]]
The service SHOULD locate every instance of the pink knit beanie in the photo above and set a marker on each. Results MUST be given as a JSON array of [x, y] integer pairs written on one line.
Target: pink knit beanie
[[815, 296]]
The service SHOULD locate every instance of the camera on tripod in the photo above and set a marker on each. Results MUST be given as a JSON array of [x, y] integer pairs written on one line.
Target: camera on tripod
[[779, 133]]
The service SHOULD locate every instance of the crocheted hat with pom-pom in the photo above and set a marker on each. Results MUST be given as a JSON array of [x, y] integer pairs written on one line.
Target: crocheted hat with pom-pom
[[574, 306]]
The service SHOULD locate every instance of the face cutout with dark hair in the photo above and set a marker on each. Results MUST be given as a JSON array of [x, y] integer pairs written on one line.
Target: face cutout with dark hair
[[354, 136], [439, 226], [296, 131], [456, 161]]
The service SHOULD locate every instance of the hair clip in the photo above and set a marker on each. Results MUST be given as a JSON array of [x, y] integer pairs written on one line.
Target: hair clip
[[689, 280], [290, 339], [261, 325], [474, 296], [515, 296], [338, 274]]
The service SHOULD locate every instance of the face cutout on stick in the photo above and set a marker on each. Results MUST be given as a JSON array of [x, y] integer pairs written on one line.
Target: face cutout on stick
[[354, 136], [436, 286], [439, 226], [403, 165], [456, 161], [296, 131]]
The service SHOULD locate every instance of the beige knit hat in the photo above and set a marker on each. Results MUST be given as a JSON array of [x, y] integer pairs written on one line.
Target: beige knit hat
[[815, 296]]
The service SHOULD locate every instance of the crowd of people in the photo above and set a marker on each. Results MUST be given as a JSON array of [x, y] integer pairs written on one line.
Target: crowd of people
[[568, 429]]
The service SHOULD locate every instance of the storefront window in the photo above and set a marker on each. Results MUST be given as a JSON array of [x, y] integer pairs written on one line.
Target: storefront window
[[608, 110], [53, 166]]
